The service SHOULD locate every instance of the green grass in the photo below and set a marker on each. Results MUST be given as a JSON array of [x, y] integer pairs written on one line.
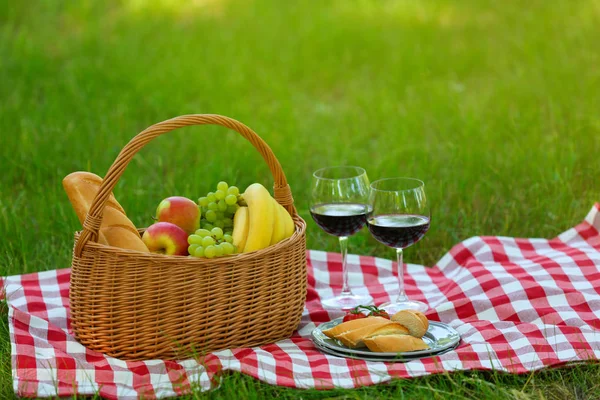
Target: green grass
[[494, 104]]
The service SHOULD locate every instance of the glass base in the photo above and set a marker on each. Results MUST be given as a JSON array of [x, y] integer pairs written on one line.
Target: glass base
[[347, 302], [394, 307]]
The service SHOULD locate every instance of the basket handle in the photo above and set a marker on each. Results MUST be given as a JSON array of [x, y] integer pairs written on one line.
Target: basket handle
[[91, 225]]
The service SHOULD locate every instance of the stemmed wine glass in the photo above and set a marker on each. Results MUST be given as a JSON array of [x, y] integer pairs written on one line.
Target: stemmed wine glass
[[340, 207], [399, 218]]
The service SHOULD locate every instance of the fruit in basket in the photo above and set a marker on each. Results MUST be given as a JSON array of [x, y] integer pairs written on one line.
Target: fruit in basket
[[278, 224], [261, 214], [166, 238], [240, 227], [253, 220], [289, 227], [219, 207], [260, 221], [209, 244], [283, 225], [180, 211]]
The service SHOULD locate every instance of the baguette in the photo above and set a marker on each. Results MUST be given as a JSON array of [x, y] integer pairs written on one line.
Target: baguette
[[422, 316], [395, 343], [392, 328], [403, 333], [415, 321], [354, 338], [116, 229], [348, 326]]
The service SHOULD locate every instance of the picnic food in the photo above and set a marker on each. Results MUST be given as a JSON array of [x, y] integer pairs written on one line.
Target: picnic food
[[180, 211], [240, 227], [209, 244], [268, 222], [166, 238], [278, 227], [226, 219], [283, 224], [261, 214], [403, 332], [373, 311], [349, 326], [380, 313], [160, 302], [218, 207], [247, 222], [395, 343], [355, 313], [354, 338], [223, 222], [231, 223], [415, 321], [116, 229]]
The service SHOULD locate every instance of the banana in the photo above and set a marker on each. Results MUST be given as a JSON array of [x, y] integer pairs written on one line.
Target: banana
[[285, 224], [261, 212], [278, 224], [289, 227], [240, 228]]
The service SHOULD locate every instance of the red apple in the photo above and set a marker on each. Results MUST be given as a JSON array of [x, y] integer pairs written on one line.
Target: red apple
[[166, 238], [180, 211]]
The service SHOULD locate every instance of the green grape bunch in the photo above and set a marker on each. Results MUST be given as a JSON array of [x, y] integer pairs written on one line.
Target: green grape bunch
[[214, 239], [210, 244]]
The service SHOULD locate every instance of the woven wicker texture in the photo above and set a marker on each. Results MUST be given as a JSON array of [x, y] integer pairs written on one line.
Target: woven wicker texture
[[134, 305]]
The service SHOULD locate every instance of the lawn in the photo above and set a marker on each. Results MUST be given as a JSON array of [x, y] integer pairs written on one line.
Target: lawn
[[495, 105]]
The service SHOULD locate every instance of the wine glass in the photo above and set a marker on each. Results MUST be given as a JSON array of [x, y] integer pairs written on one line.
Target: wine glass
[[399, 218], [340, 207]]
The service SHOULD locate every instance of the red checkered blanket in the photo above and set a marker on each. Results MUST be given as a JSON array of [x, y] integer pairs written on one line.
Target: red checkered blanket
[[519, 305]]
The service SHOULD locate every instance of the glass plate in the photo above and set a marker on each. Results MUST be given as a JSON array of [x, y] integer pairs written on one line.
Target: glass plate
[[439, 337]]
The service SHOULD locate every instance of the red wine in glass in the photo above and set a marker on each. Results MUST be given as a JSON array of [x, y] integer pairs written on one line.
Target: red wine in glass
[[340, 206], [398, 230], [400, 217], [340, 219]]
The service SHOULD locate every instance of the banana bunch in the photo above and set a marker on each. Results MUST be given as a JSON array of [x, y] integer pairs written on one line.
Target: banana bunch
[[262, 223]]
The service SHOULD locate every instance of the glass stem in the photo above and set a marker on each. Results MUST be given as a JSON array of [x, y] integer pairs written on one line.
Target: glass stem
[[400, 267], [344, 251]]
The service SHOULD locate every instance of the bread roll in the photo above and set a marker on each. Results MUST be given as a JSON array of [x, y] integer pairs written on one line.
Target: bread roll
[[116, 229], [413, 321], [395, 343]]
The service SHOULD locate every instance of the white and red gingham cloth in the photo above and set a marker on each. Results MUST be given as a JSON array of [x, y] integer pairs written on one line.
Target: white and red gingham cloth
[[519, 305]]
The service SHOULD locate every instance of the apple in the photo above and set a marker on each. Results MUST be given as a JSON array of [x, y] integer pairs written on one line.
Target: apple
[[180, 211], [166, 238]]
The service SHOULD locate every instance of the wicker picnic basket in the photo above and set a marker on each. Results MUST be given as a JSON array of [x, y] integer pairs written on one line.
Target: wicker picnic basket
[[134, 305]]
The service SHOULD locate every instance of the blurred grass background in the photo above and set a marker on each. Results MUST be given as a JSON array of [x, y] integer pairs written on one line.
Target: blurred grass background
[[495, 105]]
